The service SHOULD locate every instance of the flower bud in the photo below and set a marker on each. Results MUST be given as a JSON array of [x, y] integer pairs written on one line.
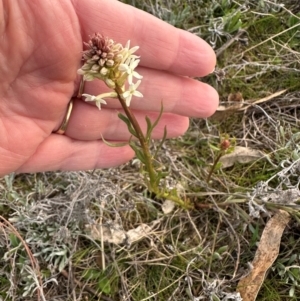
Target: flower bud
[[225, 144], [86, 67], [103, 71], [95, 57], [101, 62], [110, 83], [109, 63], [110, 56], [95, 67]]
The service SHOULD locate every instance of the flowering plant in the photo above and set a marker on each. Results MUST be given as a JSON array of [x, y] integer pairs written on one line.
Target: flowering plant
[[115, 65]]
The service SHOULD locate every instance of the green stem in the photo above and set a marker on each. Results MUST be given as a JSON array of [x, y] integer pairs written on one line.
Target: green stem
[[140, 136], [213, 167], [176, 200], [153, 185]]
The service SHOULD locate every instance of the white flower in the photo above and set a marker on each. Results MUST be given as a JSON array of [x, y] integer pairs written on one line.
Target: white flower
[[128, 53], [97, 99], [128, 67], [132, 50], [127, 95]]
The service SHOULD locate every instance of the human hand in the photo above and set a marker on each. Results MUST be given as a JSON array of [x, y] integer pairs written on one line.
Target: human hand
[[40, 53]]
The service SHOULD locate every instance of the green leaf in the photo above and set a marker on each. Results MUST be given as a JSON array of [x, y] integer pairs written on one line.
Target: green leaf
[[233, 23], [215, 148], [292, 259], [222, 249], [138, 152], [62, 263], [294, 21], [216, 255], [218, 166], [129, 125], [119, 144], [149, 128], [92, 274], [104, 284], [140, 155], [159, 116], [161, 142], [124, 118], [14, 240], [161, 175], [292, 291]]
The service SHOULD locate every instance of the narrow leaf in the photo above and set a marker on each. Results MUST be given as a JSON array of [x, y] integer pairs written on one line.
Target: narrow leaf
[[124, 118], [159, 116], [149, 128], [119, 144], [161, 142], [128, 123], [139, 153]]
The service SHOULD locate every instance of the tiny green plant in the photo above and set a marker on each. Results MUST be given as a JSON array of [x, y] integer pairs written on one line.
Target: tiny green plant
[[226, 146], [115, 65]]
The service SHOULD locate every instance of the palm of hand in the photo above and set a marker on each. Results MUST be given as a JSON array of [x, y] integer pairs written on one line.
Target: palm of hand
[[41, 50], [38, 78]]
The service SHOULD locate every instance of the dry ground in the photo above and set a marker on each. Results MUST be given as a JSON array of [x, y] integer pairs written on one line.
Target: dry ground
[[100, 235]]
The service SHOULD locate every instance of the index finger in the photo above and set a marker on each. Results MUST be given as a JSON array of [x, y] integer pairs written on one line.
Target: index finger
[[162, 46]]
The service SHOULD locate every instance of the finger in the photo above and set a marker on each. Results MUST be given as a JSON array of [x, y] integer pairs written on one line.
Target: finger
[[89, 123], [178, 94], [59, 152], [162, 46]]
